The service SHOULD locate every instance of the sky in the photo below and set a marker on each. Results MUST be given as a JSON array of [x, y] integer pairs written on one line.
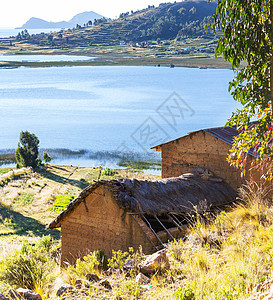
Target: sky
[[15, 13]]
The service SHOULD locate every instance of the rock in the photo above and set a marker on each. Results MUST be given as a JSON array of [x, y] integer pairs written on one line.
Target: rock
[[64, 289], [105, 283], [28, 294], [154, 262], [141, 278], [78, 283], [109, 271], [92, 277], [130, 264]]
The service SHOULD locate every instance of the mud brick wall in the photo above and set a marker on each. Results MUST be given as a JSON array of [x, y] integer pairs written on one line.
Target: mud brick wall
[[99, 224], [199, 149]]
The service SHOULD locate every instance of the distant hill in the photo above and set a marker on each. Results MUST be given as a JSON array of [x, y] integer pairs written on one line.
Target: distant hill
[[81, 19], [177, 20]]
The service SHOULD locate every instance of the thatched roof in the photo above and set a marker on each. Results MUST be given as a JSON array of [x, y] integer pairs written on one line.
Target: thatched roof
[[176, 195]]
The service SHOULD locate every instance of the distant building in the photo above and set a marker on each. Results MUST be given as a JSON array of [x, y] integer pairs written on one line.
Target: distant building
[[205, 148]]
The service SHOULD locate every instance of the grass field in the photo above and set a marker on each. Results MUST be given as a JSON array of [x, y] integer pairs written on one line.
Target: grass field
[[222, 256], [121, 55], [30, 201]]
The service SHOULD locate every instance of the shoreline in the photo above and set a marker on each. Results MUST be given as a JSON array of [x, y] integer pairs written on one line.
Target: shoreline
[[145, 62], [106, 57], [87, 158]]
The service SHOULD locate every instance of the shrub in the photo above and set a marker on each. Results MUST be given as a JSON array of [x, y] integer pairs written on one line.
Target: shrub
[[108, 172], [129, 289], [185, 293], [30, 267], [46, 242], [46, 157], [95, 262], [118, 259]]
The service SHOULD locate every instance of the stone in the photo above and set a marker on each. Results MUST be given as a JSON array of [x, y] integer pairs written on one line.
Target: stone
[[78, 283], [130, 264], [64, 289], [109, 271], [158, 260], [141, 278], [28, 294], [92, 277], [105, 283]]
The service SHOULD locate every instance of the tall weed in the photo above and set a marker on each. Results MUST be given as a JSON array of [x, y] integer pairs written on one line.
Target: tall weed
[[30, 267]]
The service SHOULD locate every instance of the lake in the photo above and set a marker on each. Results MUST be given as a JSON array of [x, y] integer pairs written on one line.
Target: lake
[[107, 110], [44, 58], [7, 32]]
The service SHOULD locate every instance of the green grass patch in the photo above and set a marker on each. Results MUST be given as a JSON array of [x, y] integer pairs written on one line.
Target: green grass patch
[[61, 202], [108, 172], [4, 170], [140, 165], [26, 198]]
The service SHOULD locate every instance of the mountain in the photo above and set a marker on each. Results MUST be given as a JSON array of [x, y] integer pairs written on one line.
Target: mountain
[[177, 20], [84, 17], [36, 23], [81, 18]]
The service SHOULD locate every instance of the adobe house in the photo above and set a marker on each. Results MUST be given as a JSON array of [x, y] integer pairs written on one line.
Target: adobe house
[[205, 148], [124, 213]]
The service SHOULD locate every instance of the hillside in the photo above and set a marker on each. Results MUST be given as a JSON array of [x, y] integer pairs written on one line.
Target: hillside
[[167, 21], [224, 254], [80, 19]]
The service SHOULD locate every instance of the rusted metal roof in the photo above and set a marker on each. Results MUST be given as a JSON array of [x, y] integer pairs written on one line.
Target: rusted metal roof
[[225, 134]]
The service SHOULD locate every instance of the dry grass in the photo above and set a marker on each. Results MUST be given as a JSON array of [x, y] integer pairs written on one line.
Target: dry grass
[[223, 257], [26, 201]]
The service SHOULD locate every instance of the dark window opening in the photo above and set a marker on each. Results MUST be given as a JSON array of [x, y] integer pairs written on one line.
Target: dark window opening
[[164, 222]]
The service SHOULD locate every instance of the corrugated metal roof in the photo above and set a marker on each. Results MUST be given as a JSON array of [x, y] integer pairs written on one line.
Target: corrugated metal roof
[[225, 134]]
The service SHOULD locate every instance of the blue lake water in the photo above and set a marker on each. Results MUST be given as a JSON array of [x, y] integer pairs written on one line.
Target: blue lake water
[[114, 109], [7, 32], [44, 58]]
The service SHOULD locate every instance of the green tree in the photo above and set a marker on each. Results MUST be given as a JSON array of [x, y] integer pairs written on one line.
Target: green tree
[[27, 152], [46, 157], [248, 36]]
